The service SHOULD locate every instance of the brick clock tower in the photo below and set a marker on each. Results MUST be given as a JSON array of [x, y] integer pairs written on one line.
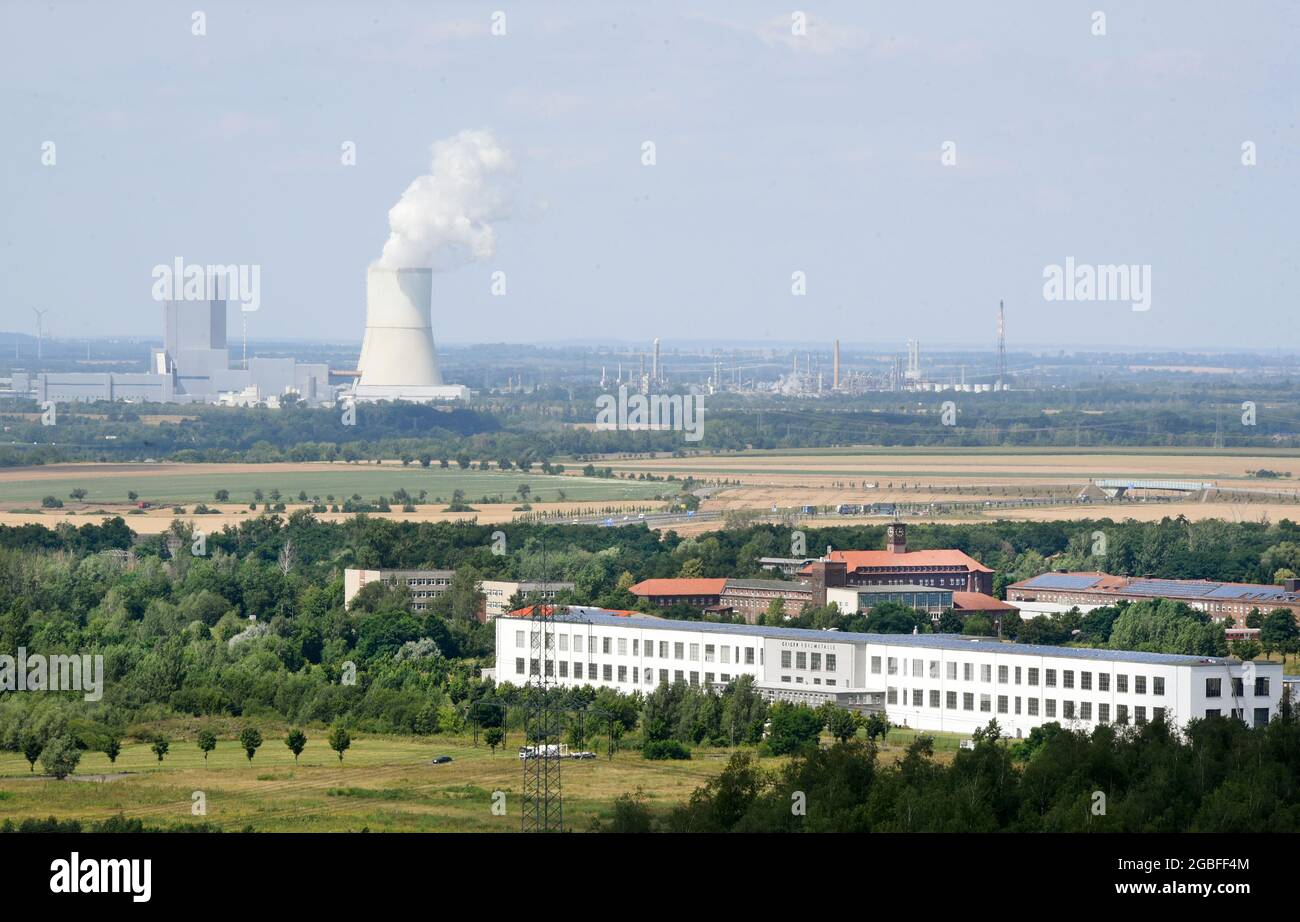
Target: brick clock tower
[[896, 538]]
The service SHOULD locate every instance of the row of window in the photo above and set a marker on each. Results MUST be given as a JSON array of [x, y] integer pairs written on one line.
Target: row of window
[[724, 653], [1214, 687], [803, 659], [1014, 675], [1093, 598], [594, 672], [1069, 709], [917, 580]]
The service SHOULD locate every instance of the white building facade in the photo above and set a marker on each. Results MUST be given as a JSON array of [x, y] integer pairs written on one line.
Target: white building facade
[[941, 682]]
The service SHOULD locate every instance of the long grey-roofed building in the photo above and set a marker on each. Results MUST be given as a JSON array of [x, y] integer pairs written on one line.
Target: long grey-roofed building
[[941, 682], [1049, 593]]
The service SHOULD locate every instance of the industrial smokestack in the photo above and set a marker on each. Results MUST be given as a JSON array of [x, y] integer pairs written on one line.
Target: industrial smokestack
[[835, 382], [397, 354]]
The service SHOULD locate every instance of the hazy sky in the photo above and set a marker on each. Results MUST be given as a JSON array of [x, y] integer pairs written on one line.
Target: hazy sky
[[776, 153]]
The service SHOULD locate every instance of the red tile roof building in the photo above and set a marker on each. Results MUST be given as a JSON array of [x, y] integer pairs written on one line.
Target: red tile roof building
[[969, 581], [942, 569], [971, 603], [701, 593]]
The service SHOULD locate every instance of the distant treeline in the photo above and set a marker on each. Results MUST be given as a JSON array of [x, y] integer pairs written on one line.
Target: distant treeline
[[549, 425]]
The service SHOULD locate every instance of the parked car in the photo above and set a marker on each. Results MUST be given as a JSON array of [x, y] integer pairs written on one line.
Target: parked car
[[442, 760]]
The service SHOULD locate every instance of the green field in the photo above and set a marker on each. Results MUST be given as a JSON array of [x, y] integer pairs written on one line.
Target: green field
[[341, 481], [385, 783]]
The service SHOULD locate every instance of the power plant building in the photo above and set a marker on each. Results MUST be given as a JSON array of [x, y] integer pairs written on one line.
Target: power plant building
[[193, 366]]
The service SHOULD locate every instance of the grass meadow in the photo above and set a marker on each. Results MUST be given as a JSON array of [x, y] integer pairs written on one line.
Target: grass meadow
[[385, 783]]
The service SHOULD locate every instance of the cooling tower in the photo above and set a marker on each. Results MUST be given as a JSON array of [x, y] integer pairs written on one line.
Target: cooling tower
[[397, 350], [398, 361]]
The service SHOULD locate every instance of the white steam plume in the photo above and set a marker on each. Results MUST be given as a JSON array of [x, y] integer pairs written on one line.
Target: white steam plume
[[444, 218]]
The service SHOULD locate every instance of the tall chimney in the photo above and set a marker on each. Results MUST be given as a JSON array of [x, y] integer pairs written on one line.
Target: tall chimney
[[835, 381]]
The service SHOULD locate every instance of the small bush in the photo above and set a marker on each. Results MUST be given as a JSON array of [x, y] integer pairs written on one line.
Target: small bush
[[659, 750]]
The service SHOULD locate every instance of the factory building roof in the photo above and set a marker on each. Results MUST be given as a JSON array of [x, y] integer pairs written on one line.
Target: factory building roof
[[955, 642], [1158, 588]]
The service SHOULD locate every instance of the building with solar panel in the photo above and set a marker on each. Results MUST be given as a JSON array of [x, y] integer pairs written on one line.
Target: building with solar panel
[[944, 682], [1050, 593]]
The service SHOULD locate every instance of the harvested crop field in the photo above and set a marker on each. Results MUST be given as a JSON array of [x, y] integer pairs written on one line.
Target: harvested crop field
[[987, 484]]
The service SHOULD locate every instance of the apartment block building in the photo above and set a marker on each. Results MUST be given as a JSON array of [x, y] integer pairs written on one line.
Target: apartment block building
[[426, 585]]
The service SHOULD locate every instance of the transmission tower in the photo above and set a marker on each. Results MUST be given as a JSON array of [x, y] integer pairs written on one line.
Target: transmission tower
[[40, 329], [1002, 347], [543, 807]]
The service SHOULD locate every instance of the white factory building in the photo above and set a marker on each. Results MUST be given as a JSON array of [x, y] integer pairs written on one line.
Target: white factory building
[[942, 682], [193, 366], [398, 358]]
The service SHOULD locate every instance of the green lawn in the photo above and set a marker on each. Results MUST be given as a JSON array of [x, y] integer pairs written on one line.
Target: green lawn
[[902, 737], [384, 783], [341, 480]]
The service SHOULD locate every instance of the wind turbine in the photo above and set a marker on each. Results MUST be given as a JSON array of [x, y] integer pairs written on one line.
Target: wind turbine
[[40, 316]]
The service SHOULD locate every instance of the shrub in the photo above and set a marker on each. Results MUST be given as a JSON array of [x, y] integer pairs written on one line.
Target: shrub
[[659, 750]]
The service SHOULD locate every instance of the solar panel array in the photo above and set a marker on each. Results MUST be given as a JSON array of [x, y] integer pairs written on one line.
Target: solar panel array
[[1178, 589], [1169, 588], [1062, 581], [1231, 591]]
